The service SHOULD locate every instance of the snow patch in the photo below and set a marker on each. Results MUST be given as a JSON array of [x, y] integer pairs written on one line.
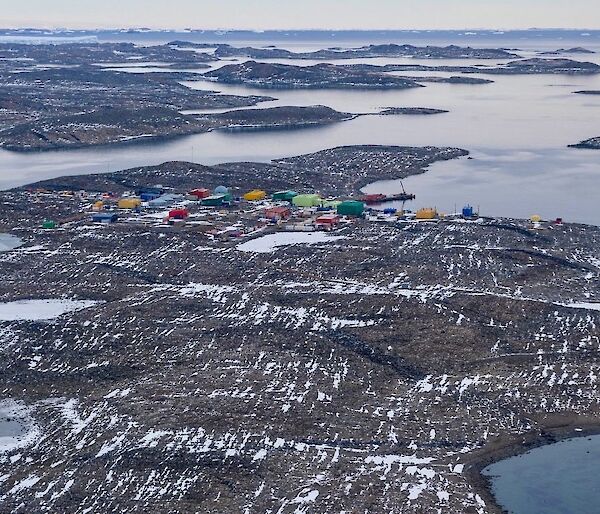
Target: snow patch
[[34, 310], [270, 242]]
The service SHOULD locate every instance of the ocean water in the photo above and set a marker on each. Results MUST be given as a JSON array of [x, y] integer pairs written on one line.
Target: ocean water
[[517, 130], [560, 478]]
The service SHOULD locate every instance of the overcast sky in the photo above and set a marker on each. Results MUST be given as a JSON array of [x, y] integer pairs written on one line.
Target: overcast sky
[[295, 14]]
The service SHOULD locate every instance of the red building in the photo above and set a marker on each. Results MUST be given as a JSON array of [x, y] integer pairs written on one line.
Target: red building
[[178, 214], [279, 213], [328, 220], [200, 193]]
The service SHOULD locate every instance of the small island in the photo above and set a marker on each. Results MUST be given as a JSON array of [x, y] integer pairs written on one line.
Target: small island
[[574, 50], [589, 144], [321, 76], [370, 51], [411, 111], [113, 125]]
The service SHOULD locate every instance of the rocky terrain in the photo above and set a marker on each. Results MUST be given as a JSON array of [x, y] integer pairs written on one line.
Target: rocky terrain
[[108, 125], [543, 66], [342, 170], [82, 105], [320, 76], [374, 371], [591, 144], [277, 118], [370, 51], [574, 50], [64, 96], [535, 66], [38, 56]]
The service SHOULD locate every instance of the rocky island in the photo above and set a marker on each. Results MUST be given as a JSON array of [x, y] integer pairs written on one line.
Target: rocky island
[[574, 50], [108, 125], [227, 363], [320, 76], [427, 111], [370, 51], [29, 57], [341, 170], [590, 144], [534, 66]]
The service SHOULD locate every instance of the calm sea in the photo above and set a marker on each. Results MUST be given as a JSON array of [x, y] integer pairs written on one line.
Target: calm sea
[[561, 478]]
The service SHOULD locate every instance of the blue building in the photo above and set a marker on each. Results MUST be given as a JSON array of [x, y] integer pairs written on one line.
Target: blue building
[[105, 217]]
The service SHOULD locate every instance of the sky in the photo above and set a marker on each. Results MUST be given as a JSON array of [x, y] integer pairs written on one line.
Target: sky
[[301, 14]]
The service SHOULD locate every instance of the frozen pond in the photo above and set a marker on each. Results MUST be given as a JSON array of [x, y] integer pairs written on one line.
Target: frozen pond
[[9, 242], [36, 310], [559, 478], [16, 426], [270, 242]]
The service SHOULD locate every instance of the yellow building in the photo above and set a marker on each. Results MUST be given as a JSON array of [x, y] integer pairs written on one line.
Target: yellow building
[[426, 213], [129, 203], [536, 218], [255, 195]]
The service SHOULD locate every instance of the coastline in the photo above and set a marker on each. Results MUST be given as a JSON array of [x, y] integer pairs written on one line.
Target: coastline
[[556, 427]]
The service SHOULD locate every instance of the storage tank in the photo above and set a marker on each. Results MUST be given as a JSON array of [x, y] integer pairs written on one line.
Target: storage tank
[[427, 213]]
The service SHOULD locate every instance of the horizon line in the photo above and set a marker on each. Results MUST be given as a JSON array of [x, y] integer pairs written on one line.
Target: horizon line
[[313, 29]]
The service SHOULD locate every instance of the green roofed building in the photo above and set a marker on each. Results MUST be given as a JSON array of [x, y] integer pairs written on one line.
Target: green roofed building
[[351, 208], [286, 196], [216, 200], [49, 224], [310, 200], [331, 204]]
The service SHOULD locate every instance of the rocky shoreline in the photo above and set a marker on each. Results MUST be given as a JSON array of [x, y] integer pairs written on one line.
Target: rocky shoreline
[[341, 170], [114, 126], [550, 432]]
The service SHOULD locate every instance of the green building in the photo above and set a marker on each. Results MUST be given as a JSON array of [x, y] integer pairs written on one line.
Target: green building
[[331, 204], [285, 196], [310, 200], [216, 200], [351, 208]]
